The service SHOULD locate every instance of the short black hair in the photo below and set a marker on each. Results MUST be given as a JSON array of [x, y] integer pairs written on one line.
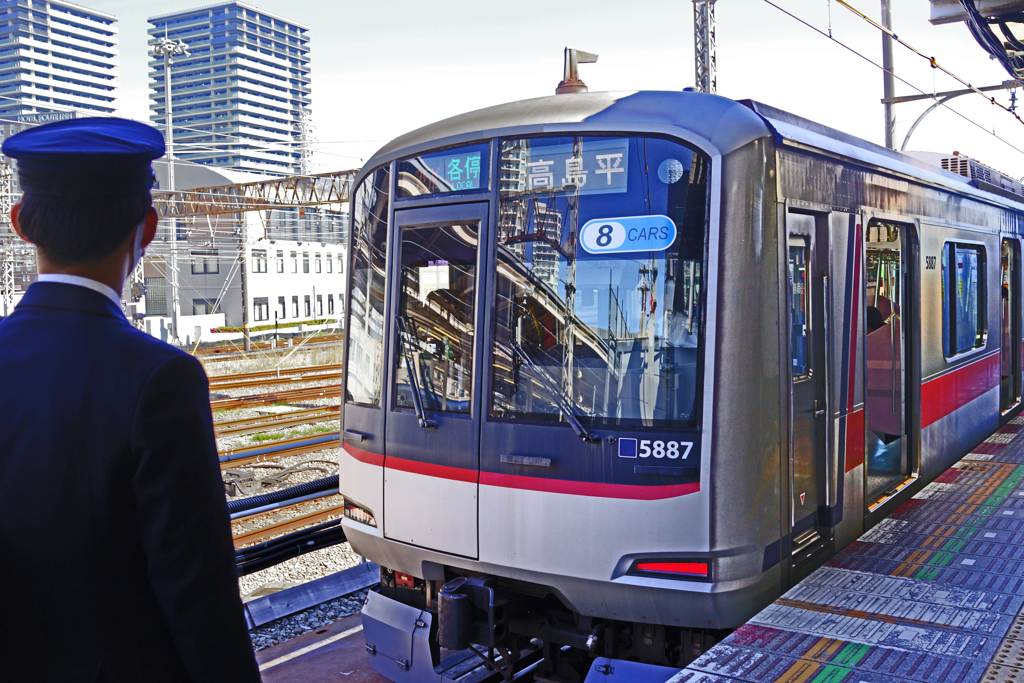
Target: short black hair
[[82, 230], [875, 319]]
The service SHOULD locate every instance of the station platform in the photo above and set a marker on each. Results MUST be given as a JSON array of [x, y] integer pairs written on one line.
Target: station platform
[[933, 593]]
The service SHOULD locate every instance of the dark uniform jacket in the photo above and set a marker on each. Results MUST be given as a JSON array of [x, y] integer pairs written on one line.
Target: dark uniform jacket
[[116, 560]]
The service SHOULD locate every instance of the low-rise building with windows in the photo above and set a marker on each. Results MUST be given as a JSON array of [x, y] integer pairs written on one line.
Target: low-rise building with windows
[[293, 262]]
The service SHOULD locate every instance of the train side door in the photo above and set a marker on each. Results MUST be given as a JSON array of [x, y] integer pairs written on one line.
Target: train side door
[[1009, 328], [807, 278], [891, 449], [433, 418]]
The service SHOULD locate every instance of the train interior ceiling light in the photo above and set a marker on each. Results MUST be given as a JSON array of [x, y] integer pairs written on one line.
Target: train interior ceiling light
[[997, 25]]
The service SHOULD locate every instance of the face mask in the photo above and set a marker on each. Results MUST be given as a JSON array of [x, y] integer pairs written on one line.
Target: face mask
[[137, 250]]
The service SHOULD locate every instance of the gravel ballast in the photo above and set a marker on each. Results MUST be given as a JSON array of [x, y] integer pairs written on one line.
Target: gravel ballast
[[296, 571], [295, 625]]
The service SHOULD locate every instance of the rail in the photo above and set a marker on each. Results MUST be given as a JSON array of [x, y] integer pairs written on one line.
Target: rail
[[277, 372], [306, 394], [271, 380], [234, 351], [262, 423], [280, 449]]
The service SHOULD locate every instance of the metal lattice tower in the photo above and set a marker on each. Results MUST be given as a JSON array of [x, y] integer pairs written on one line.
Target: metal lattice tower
[[8, 240], [704, 45], [7, 279], [307, 131]]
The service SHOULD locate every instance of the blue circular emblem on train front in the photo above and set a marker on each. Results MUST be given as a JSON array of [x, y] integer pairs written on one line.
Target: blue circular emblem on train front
[[623, 235]]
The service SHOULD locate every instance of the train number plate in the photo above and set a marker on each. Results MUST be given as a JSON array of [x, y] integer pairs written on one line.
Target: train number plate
[[651, 448]]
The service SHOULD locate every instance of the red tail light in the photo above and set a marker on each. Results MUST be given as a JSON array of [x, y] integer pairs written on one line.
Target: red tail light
[[682, 568]]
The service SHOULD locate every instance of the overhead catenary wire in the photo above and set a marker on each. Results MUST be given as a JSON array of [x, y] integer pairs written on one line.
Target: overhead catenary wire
[[931, 60], [902, 80]]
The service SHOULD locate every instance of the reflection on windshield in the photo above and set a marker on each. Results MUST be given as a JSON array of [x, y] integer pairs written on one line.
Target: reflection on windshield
[[438, 283], [366, 309], [615, 324]]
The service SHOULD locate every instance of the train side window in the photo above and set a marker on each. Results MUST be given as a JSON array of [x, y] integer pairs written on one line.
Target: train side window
[[799, 320], [963, 298], [366, 313]]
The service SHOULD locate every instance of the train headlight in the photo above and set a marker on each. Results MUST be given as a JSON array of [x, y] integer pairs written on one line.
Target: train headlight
[[357, 513]]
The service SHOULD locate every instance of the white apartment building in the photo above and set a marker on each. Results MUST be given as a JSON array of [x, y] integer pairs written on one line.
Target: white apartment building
[[56, 56], [239, 99]]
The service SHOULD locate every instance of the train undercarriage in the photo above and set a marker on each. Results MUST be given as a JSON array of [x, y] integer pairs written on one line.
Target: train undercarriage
[[476, 628]]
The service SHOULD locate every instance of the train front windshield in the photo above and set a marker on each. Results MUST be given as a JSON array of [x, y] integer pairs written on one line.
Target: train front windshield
[[600, 265]]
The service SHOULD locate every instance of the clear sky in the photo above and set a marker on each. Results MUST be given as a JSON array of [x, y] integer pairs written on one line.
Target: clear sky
[[381, 68]]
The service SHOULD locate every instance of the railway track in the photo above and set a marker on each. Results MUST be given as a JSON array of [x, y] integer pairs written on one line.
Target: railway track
[[235, 351], [280, 449], [263, 423], [277, 372], [287, 396], [297, 378], [251, 530]]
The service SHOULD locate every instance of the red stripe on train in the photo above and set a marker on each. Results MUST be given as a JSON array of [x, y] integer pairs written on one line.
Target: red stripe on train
[[363, 456], [854, 319], [943, 395], [854, 439], [577, 488], [431, 470], [582, 488]]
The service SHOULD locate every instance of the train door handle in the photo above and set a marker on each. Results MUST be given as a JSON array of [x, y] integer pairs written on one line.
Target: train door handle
[[354, 436], [818, 412]]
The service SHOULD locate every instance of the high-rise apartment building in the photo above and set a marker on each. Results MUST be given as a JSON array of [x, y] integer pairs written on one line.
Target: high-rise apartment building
[[240, 98], [55, 56]]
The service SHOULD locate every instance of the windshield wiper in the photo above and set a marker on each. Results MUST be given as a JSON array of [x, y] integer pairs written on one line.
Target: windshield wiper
[[555, 395], [417, 400]]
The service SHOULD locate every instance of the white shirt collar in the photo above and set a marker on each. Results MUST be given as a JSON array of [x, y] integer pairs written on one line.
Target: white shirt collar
[[82, 282]]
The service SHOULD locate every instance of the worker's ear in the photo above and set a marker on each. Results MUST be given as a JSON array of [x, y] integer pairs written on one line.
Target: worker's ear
[[149, 231], [15, 210]]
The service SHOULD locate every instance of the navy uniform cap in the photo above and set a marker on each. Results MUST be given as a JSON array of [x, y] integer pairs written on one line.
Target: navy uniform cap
[[79, 158]]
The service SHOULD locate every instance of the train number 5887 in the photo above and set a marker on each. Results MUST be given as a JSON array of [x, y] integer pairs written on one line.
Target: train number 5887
[[665, 449]]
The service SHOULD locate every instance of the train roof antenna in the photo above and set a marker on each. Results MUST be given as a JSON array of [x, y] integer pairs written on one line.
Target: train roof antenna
[[571, 78]]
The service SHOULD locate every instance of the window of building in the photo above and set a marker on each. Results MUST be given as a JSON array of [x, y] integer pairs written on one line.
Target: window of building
[[305, 262], [319, 304], [204, 307], [156, 296], [963, 298], [341, 265], [308, 312], [205, 262], [295, 262], [280, 312], [295, 307], [330, 303], [280, 261], [330, 264], [316, 263], [260, 308], [259, 261]]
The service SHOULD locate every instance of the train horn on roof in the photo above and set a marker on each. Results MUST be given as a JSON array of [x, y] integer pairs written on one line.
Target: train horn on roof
[[571, 79]]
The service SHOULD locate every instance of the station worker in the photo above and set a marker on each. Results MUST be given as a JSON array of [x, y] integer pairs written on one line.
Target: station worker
[[116, 557]]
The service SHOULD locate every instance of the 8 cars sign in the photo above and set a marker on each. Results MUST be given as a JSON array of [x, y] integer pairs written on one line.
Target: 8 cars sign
[[630, 234]]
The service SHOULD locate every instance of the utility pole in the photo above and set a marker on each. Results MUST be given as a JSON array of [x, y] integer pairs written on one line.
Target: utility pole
[[704, 46], [244, 275], [8, 242], [888, 79], [167, 48]]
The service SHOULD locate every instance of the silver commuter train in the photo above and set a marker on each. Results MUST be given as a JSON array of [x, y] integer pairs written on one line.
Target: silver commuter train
[[623, 367]]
